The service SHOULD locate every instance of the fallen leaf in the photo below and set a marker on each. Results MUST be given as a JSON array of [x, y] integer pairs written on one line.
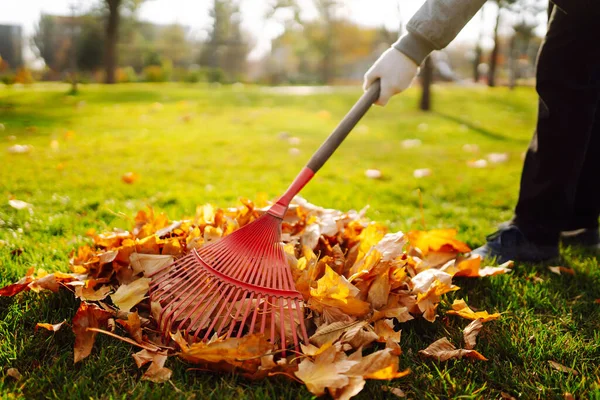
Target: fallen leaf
[[240, 352], [19, 204], [470, 333], [507, 396], [149, 263], [442, 240], [87, 316], [421, 173], [89, 294], [20, 149], [411, 143], [562, 368], [559, 270], [14, 373], [128, 296], [335, 290], [50, 327], [332, 332], [481, 163], [496, 158], [395, 391], [129, 177], [460, 308], [373, 174], [443, 350], [133, 325], [325, 372], [157, 372]]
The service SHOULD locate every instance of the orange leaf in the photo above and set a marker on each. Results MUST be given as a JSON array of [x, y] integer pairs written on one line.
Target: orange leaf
[[560, 270], [50, 327], [460, 308], [437, 240], [87, 316], [129, 177]]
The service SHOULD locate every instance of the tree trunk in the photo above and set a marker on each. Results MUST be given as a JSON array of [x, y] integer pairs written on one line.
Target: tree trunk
[[478, 50], [112, 32], [513, 63], [495, 51], [426, 79]]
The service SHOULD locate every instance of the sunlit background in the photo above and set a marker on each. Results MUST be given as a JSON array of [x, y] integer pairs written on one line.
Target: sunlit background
[[265, 41]]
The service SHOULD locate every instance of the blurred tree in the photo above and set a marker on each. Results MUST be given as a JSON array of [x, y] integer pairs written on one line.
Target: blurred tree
[[226, 47], [90, 43], [44, 39], [502, 5], [478, 50], [173, 44], [113, 9], [526, 12], [110, 44]]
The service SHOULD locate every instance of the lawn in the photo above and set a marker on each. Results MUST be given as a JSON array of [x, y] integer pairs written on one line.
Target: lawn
[[194, 144]]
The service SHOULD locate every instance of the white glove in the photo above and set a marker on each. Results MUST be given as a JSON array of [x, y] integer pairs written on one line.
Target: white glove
[[396, 72]]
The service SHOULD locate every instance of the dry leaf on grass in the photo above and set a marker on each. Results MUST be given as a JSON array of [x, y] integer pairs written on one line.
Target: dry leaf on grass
[[50, 327], [470, 333], [562, 368], [443, 350], [14, 373], [156, 372], [244, 352], [395, 391], [327, 371], [133, 326], [460, 308], [89, 294], [87, 316], [559, 270], [128, 296]]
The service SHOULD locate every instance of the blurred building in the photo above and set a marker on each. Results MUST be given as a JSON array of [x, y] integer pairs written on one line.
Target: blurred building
[[11, 45]]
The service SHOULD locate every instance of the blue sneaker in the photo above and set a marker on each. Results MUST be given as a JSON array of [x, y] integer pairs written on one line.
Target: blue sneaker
[[509, 243]]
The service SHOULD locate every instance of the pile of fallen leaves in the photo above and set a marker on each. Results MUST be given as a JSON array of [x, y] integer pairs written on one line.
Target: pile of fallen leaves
[[359, 284]]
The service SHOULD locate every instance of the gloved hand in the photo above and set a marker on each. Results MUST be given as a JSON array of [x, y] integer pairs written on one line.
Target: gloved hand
[[396, 72]]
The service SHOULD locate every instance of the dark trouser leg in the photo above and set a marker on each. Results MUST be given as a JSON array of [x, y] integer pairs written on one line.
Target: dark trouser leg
[[586, 208], [569, 94]]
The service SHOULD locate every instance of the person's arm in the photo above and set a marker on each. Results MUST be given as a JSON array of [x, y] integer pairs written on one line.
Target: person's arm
[[432, 27]]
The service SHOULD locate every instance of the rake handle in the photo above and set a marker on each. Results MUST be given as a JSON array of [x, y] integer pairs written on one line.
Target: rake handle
[[328, 147], [338, 135]]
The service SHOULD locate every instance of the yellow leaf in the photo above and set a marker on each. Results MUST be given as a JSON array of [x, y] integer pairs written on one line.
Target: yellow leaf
[[460, 308], [334, 290], [325, 372], [437, 240], [128, 296], [89, 294], [234, 351]]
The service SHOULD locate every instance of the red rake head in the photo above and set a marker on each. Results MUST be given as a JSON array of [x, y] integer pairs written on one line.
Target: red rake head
[[238, 285]]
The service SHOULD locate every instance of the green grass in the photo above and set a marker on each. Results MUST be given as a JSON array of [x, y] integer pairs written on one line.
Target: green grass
[[229, 149]]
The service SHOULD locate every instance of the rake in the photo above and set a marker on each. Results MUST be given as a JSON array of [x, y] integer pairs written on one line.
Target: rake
[[242, 284]]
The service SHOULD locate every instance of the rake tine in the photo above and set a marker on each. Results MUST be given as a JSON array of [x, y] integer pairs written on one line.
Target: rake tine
[[227, 315], [243, 320], [229, 290]]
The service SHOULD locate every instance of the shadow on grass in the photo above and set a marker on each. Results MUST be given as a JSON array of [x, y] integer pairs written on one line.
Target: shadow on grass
[[482, 131]]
